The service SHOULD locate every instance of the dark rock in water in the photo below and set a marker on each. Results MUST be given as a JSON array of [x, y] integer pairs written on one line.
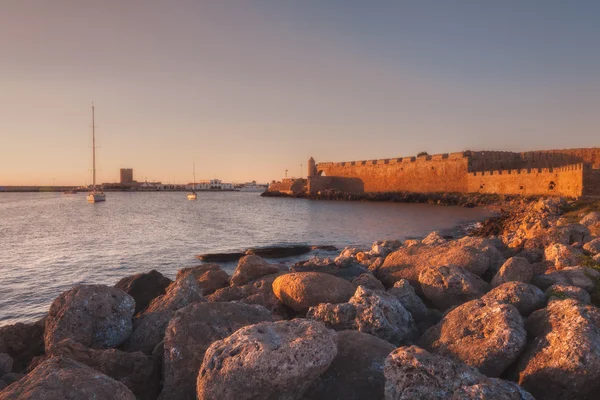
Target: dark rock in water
[[251, 267], [209, 277], [139, 372], [144, 287], [325, 247], [96, 316], [189, 334], [22, 342], [60, 378], [149, 326], [270, 360], [280, 251], [220, 257], [414, 373], [356, 373]]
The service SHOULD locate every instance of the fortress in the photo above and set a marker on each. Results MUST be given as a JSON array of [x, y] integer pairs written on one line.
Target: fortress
[[571, 173]]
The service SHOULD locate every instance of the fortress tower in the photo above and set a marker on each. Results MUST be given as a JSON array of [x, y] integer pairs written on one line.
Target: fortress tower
[[312, 167]]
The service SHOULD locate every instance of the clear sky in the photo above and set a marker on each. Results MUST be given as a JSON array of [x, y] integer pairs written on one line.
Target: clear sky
[[249, 88]]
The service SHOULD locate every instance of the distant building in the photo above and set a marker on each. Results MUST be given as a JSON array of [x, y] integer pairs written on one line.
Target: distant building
[[127, 175]]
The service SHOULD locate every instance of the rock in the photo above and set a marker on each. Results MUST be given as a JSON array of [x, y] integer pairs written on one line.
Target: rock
[[144, 287], [563, 359], [6, 364], [577, 232], [302, 290], [562, 292], [449, 286], [488, 247], [210, 277], [97, 316], [524, 297], [582, 277], [22, 342], [515, 269], [220, 257], [11, 377], [356, 373], [414, 373], [60, 378], [368, 281], [563, 256], [486, 335], [250, 268], [593, 246], [280, 251], [189, 334], [374, 312], [139, 372], [408, 262], [407, 296], [271, 360], [590, 218], [348, 270], [433, 239], [149, 326]]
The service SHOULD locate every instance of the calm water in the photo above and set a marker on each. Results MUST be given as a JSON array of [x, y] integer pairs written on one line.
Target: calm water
[[50, 241]]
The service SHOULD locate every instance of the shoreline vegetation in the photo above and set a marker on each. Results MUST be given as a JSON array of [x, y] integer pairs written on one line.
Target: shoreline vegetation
[[509, 311]]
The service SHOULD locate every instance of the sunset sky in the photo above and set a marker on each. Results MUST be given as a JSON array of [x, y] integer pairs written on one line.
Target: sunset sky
[[249, 88]]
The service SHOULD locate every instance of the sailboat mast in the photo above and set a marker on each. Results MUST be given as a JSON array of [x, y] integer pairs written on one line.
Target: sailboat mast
[[93, 150], [194, 187]]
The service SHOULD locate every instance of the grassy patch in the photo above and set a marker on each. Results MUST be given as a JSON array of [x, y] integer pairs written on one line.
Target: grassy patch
[[558, 295], [588, 261], [573, 210]]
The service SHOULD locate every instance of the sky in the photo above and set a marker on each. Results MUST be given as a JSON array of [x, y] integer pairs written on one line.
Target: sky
[[248, 89]]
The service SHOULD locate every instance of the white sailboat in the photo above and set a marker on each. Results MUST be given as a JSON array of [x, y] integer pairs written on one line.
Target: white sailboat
[[192, 195], [95, 195]]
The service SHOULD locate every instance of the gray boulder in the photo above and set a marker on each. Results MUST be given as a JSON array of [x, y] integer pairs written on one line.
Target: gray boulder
[[6, 364], [592, 247], [561, 292], [144, 287], [450, 285], [250, 268], [563, 256], [515, 269], [209, 277], [524, 297], [582, 277], [409, 299], [368, 281]]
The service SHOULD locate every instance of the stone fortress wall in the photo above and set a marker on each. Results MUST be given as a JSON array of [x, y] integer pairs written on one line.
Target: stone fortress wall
[[572, 172]]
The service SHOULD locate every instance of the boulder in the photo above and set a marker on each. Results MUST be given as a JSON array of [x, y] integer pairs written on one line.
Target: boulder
[[209, 277], [267, 361], [563, 256], [149, 326], [486, 335], [577, 232], [582, 277], [347, 270], [97, 316], [10, 378], [561, 292], [409, 299], [590, 219], [144, 287], [488, 246], [189, 334], [524, 297], [563, 359], [22, 342], [139, 372], [450, 285], [414, 373], [375, 312], [433, 239], [302, 290], [356, 373], [60, 378], [592, 247], [515, 269], [250, 268], [368, 281], [6, 364]]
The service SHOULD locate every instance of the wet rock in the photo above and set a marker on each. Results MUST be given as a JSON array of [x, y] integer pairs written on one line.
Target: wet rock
[[563, 359], [409, 299], [593, 246], [368, 281], [97, 316], [267, 361], [144, 287], [189, 334], [6, 364], [563, 256], [514, 269], [485, 335], [209, 277], [375, 312], [139, 372], [22, 342], [562, 292], [524, 297], [356, 373], [250, 268], [60, 378], [280, 251], [448, 286], [302, 290], [582, 277], [220, 257], [414, 373], [149, 326]]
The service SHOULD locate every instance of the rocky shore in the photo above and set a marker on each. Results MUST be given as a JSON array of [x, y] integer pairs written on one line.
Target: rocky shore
[[507, 313]]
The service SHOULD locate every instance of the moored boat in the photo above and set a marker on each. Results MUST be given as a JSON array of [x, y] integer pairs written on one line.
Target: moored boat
[[96, 194]]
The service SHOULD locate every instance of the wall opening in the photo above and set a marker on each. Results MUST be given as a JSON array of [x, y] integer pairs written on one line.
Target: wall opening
[[552, 185], [321, 173]]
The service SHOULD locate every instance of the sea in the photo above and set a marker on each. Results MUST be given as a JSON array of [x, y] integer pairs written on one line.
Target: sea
[[50, 242]]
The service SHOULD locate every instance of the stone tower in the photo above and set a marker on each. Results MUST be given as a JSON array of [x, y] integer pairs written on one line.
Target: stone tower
[[312, 167]]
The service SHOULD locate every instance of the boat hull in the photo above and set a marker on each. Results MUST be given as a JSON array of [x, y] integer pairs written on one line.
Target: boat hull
[[192, 196], [96, 197]]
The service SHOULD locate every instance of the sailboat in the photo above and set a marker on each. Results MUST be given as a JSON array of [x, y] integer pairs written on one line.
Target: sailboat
[[95, 195], [192, 195]]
